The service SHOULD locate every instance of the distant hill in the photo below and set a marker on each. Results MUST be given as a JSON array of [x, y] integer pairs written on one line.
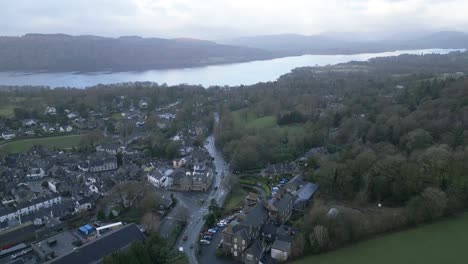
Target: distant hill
[[60, 52], [293, 44]]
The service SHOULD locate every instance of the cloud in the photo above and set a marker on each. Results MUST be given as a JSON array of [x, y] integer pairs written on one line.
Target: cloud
[[214, 19]]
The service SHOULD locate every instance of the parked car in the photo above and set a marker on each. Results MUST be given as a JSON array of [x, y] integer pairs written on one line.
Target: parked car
[[207, 237], [205, 242], [212, 230], [185, 238], [208, 233]]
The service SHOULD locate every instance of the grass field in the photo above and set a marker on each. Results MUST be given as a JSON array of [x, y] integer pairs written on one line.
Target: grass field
[[234, 199], [7, 111], [117, 116], [262, 122], [442, 242], [247, 119], [21, 145]]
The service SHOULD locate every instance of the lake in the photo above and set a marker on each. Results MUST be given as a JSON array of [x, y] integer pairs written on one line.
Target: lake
[[227, 74]]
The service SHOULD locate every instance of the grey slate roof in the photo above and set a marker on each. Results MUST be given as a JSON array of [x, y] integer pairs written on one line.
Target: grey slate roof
[[109, 243], [282, 203], [255, 217], [306, 192]]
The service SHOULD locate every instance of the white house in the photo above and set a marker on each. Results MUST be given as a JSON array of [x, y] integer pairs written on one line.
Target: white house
[[160, 181], [8, 135], [179, 163], [72, 115], [83, 205], [90, 181], [30, 206], [50, 110], [280, 250], [110, 149], [35, 174], [52, 186], [94, 189], [29, 122], [143, 104]]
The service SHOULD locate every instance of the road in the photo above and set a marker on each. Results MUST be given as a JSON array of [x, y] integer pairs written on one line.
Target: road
[[219, 192], [196, 221]]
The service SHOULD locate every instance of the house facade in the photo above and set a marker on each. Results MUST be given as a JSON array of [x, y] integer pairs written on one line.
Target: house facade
[[28, 207]]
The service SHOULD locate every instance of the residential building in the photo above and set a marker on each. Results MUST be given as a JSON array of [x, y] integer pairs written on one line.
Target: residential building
[[280, 209], [28, 207], [7, 135], [111, 149], [35, 174], [102, 163], [278, 170], [241, 239], [280, 250]]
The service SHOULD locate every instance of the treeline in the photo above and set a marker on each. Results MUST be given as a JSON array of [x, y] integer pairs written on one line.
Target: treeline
[[396, 130]]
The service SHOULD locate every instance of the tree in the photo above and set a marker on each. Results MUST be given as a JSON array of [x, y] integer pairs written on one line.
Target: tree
[[319, 238], [151, 222], [210, 219], [429, 205], [172, 149], [101, 215]]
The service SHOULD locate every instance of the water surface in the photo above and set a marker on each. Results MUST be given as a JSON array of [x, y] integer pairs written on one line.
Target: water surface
[[227, 74]]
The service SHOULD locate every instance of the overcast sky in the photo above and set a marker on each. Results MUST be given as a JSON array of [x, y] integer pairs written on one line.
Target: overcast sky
[[217, 19]]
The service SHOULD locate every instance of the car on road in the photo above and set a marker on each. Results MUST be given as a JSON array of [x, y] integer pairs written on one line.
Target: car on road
[[185, 238], [207, 237], [205, 242]]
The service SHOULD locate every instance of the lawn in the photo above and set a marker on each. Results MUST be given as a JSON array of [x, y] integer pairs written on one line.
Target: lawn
[[117, 116], [248, 119], [235, 199], [22, 145], [262, 122], [442, 242], [7, 111]]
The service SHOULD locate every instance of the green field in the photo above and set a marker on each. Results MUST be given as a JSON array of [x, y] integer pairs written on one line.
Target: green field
[[442, 242], [7, 111], [22, 145], [117, 116], [234, 200]]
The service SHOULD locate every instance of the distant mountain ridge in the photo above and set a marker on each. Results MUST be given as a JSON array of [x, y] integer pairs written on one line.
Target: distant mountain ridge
[[294, 44], [88, 53], [62, 52]]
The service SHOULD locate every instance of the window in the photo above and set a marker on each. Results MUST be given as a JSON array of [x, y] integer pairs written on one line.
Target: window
[[249, 256], [235, 253], [235, 240], [235, 246], [243, 242]]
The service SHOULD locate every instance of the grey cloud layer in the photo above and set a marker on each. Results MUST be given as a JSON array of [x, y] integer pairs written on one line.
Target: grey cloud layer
[[228, 18]]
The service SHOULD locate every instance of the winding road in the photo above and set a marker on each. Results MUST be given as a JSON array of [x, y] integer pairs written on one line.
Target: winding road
[[218, 191]]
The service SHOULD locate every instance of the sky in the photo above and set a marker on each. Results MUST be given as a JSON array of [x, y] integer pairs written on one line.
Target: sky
[[221, 19]]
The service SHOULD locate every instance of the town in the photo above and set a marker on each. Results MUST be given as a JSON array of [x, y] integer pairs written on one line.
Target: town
[[65, 204]]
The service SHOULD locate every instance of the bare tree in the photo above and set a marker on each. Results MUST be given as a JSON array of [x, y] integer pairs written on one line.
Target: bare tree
[[151, 222]]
